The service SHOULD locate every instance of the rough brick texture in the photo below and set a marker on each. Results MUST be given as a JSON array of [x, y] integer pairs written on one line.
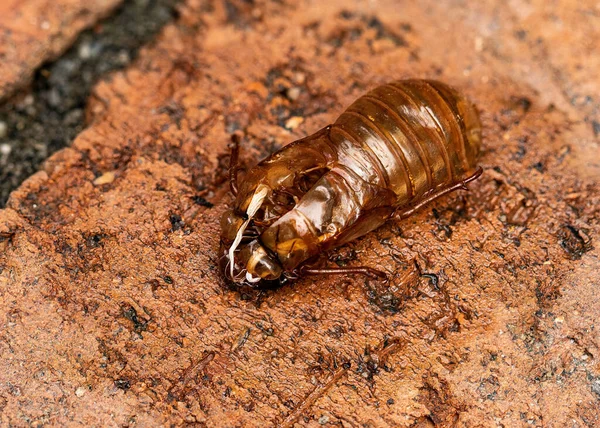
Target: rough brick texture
[[113, 309]]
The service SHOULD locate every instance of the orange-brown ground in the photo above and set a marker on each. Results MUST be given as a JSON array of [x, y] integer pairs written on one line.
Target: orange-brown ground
[[113, 309]]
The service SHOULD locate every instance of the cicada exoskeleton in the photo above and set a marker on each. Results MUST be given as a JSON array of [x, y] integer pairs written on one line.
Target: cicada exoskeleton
[[393, 150]]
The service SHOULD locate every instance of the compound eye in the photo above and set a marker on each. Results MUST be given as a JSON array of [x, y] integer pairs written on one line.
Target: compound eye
[[267, 269], [260, 264]]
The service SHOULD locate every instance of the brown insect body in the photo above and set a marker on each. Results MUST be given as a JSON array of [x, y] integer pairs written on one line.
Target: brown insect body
[[394, 149]]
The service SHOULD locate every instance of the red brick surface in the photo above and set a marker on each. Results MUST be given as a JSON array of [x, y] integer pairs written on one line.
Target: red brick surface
[[113, 309]]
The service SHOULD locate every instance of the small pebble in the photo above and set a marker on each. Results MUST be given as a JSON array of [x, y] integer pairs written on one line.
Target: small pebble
[[293, 93], [124, 57], [54, 98], [293, 122], [323, 419], [80, 391], [106, 178], [28, 100], [85, 51], [299, 78], [5, 149], [478, 44]]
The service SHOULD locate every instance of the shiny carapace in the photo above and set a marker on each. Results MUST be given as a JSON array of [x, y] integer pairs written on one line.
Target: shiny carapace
[[393, 150]]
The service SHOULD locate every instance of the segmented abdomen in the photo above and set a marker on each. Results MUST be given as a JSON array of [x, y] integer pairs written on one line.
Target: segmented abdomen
[[410, 136]]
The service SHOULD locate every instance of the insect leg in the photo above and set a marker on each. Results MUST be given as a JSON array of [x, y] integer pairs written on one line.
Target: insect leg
[[364, 270], [402, 214], [234, 163]]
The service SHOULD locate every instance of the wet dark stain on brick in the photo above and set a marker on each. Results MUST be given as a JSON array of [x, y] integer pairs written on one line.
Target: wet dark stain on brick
[[123, 384], [176, 222], [523, 103], [383, 32], [290, 93], [343, 256], [175, 111], [199, 200], [448, 216], [521, 34], [131, 314], [574, 241], [355, 26], [539, 166], [95, 240], [596, 127]]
